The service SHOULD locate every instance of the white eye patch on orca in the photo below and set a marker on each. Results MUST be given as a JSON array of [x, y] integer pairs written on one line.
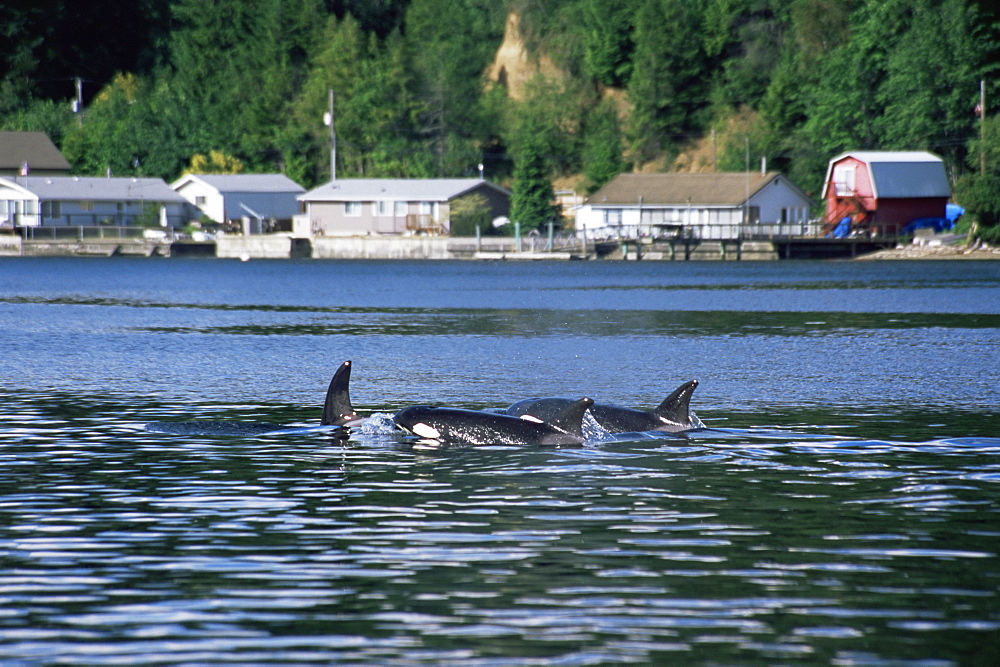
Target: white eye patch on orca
[[425, 431]]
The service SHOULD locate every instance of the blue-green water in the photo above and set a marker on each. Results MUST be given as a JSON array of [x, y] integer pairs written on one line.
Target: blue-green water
[[842, 508]]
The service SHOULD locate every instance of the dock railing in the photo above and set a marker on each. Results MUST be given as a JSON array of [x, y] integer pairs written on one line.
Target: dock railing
[[92, 232], [758, 231]]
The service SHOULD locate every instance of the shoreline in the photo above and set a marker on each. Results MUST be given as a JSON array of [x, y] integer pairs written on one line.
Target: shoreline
[[918, 252]]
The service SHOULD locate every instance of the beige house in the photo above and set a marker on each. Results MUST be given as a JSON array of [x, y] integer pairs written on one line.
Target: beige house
[[365, 206], [705, 206]]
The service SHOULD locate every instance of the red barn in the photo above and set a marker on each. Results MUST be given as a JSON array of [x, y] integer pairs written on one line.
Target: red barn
[[881, 191]]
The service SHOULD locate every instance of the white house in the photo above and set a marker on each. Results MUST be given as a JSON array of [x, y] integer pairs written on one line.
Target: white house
[[227, 197], [706, 206], [361, 206], [35, 201]]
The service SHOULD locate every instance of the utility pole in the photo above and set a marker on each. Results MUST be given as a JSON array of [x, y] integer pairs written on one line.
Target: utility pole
[[746, 202], [328, 120], [78, 102], [982, 126]]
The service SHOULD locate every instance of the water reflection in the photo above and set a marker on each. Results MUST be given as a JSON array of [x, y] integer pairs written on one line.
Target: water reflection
[[287, 549]]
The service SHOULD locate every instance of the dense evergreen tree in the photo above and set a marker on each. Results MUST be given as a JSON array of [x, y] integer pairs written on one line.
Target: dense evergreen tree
[[978, 190], [47, 44], [922, 109], [607, 28], [668, 86], [451, 43], [127, 132], [602, 150], [532, 194]]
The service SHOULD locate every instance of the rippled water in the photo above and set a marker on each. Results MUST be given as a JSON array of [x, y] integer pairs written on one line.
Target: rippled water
[[840, 508]]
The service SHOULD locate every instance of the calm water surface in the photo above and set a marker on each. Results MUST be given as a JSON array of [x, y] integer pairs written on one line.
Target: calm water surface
[[842, 507]]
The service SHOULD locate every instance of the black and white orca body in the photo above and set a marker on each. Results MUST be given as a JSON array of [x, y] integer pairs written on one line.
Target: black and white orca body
[[673, 415], [475, 427]]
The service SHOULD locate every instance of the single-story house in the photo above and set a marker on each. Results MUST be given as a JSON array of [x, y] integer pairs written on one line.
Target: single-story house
[[36, 201], [703, 206], [228, 197], [883, 191], [30, 153], [361, 206]]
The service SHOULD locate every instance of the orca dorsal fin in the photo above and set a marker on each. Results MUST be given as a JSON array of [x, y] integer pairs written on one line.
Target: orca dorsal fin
[[570, 420], [676, 407], [337, 408]]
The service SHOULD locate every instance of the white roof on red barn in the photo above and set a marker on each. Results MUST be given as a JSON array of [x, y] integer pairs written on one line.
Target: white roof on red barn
[[901, 174]]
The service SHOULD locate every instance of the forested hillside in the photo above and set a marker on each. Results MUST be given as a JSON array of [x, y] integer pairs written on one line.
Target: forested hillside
[[583, 88]]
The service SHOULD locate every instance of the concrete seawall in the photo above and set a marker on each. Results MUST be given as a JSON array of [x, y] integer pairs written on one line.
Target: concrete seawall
[[373, 247], [283, 246], [263, 246]]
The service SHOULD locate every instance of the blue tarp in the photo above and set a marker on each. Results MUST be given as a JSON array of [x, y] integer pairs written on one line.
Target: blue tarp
[[953, 212], [842, 229], [937, 224]]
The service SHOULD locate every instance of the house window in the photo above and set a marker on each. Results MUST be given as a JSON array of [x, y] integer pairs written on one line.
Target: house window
[[427, 208], [86, 205], [401, 209], [30, 207], [51, 209], [352, 208], [199, 200], [613, 217], [843, 179], [383, 208], [753, 214]]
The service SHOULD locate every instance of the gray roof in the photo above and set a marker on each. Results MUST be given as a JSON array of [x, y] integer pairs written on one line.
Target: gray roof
[[910, 179], [260, 183], [97, 188], [35, 148], [902, 174], [677, 189], [403, 189]]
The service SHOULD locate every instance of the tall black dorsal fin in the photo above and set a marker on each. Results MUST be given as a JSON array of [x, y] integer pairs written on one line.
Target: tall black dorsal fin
[[676, 407], [570, 420], [337, 408]]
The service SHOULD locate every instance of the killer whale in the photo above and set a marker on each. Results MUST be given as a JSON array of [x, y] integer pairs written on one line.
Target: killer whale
[[337, 411], [673, 415], [476, 427]]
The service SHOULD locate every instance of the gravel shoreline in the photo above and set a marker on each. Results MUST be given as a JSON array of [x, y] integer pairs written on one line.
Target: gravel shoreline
[[958, 251]]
